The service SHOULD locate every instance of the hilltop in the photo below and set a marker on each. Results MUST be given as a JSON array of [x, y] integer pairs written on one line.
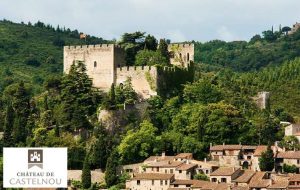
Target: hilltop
[[34, 52]]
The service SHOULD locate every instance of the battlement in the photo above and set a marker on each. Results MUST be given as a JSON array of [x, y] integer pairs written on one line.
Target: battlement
[[135, 68], [182, 45], [87, 47]]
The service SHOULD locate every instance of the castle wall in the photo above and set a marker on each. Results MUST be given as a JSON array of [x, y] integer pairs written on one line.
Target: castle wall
[[183, 52], [143, 79], [100, 60]]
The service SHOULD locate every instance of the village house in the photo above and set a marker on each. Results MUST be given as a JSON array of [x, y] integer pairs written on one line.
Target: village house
[[292, 130], [294, 182], [150, 181], [233, 155], [225, 174], [289, 158], [205, 167], [260, 181], [244, 178]]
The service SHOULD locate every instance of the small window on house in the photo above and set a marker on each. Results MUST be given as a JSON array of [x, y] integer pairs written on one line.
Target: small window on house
[[188, 185], [165, 171], [73, 62], [214, 179], [248, 157], [152, 182], [157, 169], [161, 182], [223, 180], [298, 161], [138, 182], [175, 185], [95, 63], [180, 55], [166, 182], [180, 171], [188, 56], [171, 171], [206, 171]]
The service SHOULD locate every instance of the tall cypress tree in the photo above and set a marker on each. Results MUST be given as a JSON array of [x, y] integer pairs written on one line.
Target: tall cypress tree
[[266, 161], [8, 126], [163, 49], [111, 177], [86, 174]]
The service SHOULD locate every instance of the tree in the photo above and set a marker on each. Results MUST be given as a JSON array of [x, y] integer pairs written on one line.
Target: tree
[[86, 174], [290, 168], [8, 126], [132, 43], [201, 91], [150, 43], [163, 49], [201, 176], [111, 177], [148, 57], [128, 91], [98, 148], [79, 98], [286, 29], [266, 161], [140, 144], [290, 143]]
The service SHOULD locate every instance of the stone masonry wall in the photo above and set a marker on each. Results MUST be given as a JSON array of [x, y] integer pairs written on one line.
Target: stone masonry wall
[[101, 61], [143, 79]]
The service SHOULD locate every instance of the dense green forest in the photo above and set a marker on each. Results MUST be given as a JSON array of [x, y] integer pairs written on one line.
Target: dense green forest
[[39, 105]]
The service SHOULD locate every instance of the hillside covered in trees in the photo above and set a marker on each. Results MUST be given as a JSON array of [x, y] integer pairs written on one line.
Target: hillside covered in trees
[[39, 106]]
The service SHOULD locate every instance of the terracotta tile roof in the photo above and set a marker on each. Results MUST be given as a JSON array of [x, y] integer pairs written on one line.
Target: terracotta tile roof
[[279, 184], [159, 158], [184, 155], [165, 164], [154, 176], [226, 147], [185, 167], [249, 147], [258, 181], [260, 149], [240, 188], [178, 188], [295, 177], [215, 186], [289, 155], [185, 182], [245, 176], [225, 171]]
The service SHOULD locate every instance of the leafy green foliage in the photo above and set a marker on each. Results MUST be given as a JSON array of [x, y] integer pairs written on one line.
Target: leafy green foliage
[[201, 176], [138, 145], [266, 161], [272, 49], [111, 177], [86, 175], [289, 168], [148, 57]]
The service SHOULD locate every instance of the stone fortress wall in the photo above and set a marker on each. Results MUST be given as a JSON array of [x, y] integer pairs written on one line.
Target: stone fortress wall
[[105, 64], [181, 54]]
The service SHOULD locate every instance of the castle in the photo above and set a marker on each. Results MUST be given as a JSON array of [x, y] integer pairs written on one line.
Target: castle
[[106, 65]]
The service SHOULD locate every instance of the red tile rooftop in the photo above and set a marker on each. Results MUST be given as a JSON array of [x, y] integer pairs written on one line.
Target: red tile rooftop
[[154, 176], [225, 171]]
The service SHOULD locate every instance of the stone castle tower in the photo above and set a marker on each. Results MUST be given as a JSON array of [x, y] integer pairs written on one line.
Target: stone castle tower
[[106, 65]]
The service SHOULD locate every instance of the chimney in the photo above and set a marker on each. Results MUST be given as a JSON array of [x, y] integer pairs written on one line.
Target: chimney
[[223, 143], [155, 160], [205, 160], [163, 154], [210, 145], [187, 161]]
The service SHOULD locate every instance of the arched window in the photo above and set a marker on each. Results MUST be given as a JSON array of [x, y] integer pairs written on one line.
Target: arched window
[[188, 56], [95, 63], [180, 56]]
